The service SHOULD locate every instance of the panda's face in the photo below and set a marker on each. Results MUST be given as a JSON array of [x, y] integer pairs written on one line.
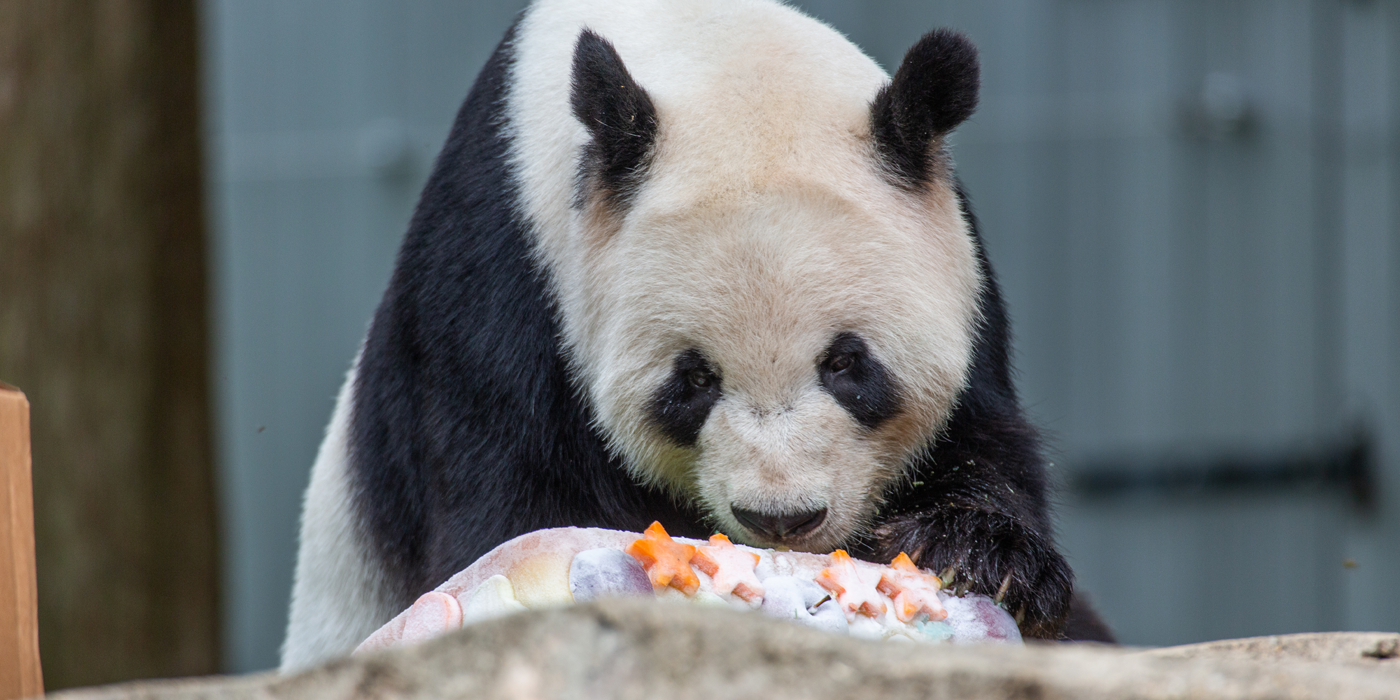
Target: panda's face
[[766, 284], [778, 356]]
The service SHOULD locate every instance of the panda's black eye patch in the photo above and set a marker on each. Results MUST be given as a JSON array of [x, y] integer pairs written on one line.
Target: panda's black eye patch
[[858, 381], [682, 403]]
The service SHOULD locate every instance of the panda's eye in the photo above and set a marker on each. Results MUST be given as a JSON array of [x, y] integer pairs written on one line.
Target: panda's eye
[[859, 382], [840, 362], [682, 402], [700, 378]]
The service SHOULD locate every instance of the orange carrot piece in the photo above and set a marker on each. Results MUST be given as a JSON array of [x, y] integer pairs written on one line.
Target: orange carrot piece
[[667, 562], [854, 593], [912, 590], [731, 570]]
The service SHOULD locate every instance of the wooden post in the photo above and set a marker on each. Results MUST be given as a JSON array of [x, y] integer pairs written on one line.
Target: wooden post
[[103, 321], [19, 600]]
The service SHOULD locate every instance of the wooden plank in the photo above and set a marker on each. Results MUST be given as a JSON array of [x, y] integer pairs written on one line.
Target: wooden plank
[[103, 321], [19, 600]]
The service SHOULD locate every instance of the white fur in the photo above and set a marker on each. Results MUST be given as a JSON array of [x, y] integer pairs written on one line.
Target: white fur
[[764, 228], [339, 596]]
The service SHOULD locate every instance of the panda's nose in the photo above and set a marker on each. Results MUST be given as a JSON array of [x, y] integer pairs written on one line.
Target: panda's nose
[[778, 526]]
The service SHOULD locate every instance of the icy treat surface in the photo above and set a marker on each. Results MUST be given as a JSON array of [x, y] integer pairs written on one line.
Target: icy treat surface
[[493, 598], [834, 592], [731, 570], [976, 619], [607, 573], [853, 587], [803, 601], [914, 592]]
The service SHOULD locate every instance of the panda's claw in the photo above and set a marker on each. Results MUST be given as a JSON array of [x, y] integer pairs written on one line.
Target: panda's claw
[[949, 573], [992, 554], [1001, 592]]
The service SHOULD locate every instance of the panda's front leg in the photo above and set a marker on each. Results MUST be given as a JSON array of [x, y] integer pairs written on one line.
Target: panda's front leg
[[976, 514], [989, 552]]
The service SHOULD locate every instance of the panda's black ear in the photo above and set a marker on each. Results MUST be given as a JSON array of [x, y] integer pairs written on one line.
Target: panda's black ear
[[934, 90], [619, 115]]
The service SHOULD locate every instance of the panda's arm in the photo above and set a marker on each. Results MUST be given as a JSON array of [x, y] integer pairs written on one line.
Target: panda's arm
[[976, 507], [977, 501]]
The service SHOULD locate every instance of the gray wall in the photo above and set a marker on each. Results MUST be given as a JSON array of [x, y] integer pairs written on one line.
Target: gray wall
[[1188, 203], [324, 117]]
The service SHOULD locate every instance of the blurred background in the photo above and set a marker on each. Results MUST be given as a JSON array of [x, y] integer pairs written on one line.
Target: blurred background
[[1192, 207]]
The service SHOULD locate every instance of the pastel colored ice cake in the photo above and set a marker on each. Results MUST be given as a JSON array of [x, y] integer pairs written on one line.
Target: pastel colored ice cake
[[832, 592]]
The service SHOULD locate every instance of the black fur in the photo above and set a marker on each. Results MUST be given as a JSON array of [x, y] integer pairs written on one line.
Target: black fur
[[1084, 623], [978, 499], [467, 431], [861, 384], [934, 90], [618, 113], [681, 406]]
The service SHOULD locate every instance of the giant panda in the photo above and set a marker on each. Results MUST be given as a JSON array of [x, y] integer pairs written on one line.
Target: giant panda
[[695, 261]]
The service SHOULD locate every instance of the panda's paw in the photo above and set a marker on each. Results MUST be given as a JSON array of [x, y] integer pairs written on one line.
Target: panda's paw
[[992, 554]]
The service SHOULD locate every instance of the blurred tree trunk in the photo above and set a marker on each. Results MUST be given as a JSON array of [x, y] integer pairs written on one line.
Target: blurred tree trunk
[[103, 323]]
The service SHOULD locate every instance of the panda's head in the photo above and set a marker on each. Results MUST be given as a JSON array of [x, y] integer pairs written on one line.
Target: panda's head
[[772, 298]]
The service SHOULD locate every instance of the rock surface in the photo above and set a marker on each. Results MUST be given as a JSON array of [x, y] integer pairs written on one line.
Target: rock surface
[[638, 649], [1362, 649]]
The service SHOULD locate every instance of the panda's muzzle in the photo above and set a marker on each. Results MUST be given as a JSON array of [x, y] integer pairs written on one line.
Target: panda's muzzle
[[779, 526]]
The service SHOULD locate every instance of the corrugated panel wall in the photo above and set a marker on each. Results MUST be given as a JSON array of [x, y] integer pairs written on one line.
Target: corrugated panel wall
[[1188, 204], [325, 116]]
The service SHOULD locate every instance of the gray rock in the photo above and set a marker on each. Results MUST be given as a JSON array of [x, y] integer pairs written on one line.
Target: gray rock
[[1365, 649], [647, 650]]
